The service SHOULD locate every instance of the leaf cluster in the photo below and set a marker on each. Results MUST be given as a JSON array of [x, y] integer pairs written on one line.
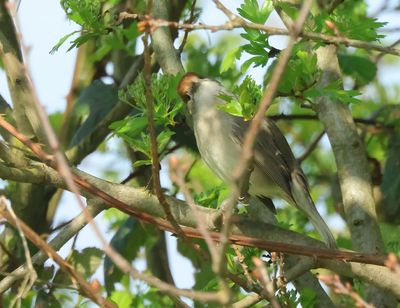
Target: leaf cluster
[[257, 41], [244, 99], [167, 106], [99, 26], [350, 20]]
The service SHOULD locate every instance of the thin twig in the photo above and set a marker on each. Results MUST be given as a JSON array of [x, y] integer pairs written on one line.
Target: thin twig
[[31, 274], [243, 168], [178, 178], [155, 167], [248, 287], [121, 262], [289, 117], [266, 282], [59, 240], [244, 266], [86, 288], [238, 22], [63, 168], [60, 163], [191, 20], [380, 55], [248, 301], [333, 281], [311, 147], [281, 281]]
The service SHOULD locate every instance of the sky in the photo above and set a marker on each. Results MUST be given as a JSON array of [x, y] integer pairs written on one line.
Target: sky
[[52, 75]]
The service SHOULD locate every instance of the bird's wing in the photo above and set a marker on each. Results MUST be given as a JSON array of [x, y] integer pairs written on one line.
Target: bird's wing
[[272, 155]]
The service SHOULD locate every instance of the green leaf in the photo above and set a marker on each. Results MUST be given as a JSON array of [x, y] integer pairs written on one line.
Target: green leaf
[[94, 103], [244, 100], [127, 241], [122, 298], [251, 11], [167, 103], [232, 105], [56, 120], [335, 91], [143, 162], [209, 198], [62, 41], [308, 298], [45, 274], [163, 138], [83, 12], [258, 44], [300, 74], [290, 9], [131, 125], [229, 61], [86, 261], [362, 69], [350, 20]]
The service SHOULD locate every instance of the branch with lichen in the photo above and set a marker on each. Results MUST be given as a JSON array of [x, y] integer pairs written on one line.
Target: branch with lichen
[[244, 231]]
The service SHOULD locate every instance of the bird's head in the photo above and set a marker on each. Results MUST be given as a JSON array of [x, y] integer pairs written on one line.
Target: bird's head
[[199, 93], [186, 86]]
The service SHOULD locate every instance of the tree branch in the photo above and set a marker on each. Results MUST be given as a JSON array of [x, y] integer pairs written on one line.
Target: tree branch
[[65, 234], [239, 22], [166, 54], [245, 231], [352, 165], [19, 83], [85, 287]]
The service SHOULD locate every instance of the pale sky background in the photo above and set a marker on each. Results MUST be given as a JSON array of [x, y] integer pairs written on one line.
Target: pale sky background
[[52, 74]]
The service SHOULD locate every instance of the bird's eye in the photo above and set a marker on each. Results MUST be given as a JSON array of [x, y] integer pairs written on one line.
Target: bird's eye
[[187, 97]]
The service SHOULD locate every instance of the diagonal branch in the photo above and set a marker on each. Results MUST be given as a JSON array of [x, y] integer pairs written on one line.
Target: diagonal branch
[[148, 209], [245, 231], [85, 287], [243, 168], [19, 82]]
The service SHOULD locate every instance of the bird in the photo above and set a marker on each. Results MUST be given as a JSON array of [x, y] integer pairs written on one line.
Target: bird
[[220, 136]]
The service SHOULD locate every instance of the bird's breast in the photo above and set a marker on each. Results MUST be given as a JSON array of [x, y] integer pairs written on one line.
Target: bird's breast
[[212, 129]]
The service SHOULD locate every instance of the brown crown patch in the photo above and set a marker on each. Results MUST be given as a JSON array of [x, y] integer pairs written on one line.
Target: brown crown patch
[[186, 84]]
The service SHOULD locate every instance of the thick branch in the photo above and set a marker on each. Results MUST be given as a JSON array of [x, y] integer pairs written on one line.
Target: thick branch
[[352, 165], [166, 54], [351, 161], [19, 83], [243, 228]]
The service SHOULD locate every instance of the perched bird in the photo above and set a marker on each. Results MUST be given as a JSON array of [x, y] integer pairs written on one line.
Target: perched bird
[[220, 136]]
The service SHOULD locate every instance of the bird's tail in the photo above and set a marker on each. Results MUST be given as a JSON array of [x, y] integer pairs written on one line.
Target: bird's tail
[[304, 202]]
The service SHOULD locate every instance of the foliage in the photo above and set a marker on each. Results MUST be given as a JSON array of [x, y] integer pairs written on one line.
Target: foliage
[[257, 45], [350, 20], [87, 111], [166, 107], [244, 100], [99, 26]]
